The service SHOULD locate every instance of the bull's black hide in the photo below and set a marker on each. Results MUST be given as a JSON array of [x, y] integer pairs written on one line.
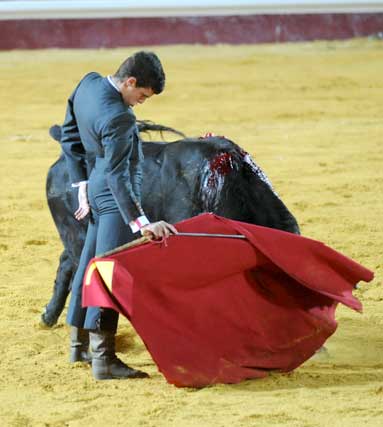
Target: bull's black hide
[[181, 179]]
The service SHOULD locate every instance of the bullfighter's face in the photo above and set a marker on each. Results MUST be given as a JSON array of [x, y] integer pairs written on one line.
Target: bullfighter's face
[[132, 94]]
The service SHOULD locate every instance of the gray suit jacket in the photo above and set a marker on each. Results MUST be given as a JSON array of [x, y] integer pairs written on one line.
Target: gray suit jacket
[[98, 123]]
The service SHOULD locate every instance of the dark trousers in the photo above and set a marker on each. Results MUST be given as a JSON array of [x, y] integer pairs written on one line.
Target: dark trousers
[[106, 230]]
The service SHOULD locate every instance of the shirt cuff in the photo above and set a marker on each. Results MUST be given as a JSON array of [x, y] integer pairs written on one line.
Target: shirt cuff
[[138, 223], [77, 184]]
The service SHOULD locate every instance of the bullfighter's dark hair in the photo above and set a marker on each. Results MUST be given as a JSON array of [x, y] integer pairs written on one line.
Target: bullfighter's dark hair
[[146, 68]]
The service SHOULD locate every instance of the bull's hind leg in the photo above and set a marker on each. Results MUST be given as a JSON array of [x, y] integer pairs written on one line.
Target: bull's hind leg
[[61, 290]]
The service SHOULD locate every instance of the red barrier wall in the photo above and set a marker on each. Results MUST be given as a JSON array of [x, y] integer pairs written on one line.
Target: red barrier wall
[[94, 33]]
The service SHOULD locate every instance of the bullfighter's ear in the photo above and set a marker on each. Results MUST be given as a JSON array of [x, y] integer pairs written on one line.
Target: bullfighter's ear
[[130, 82], [55, 132]]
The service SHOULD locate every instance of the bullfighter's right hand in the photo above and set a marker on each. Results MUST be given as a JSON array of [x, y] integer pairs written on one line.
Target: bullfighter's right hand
[[158, 230], [83, 204]]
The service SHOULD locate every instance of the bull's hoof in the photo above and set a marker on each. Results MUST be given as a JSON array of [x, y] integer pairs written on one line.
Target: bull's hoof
[[322, 351], [47, 319], [321, 354]]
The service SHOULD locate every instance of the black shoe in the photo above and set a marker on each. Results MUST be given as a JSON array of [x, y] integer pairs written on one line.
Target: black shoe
[[79, 345], [79, 355], [108, 369]]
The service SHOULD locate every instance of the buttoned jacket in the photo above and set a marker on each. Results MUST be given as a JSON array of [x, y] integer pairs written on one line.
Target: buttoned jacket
[[99, 124]]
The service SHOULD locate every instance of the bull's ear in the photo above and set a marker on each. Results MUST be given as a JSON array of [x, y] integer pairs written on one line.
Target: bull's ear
[[55, 132]]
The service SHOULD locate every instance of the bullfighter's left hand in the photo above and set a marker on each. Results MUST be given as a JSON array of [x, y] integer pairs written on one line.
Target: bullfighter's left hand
[[83, 204]]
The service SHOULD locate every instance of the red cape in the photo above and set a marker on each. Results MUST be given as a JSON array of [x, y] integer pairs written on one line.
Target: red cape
[[219, 310]]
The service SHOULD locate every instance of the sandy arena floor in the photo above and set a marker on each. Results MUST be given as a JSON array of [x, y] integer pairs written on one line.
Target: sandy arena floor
[[311, 115]]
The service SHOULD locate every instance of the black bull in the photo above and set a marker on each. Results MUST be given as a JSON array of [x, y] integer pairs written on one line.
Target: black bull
[[181, 179]]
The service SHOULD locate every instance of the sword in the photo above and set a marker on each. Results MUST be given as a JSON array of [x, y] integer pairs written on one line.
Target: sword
[[228, 236], [144, 239]]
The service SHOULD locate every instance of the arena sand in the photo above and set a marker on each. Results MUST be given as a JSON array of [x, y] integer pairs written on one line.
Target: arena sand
[[311, 115]]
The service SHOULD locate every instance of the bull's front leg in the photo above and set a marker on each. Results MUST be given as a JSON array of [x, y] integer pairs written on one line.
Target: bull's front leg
[[61, 290]]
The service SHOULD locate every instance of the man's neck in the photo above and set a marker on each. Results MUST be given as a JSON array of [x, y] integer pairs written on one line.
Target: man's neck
[[114, 82]]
